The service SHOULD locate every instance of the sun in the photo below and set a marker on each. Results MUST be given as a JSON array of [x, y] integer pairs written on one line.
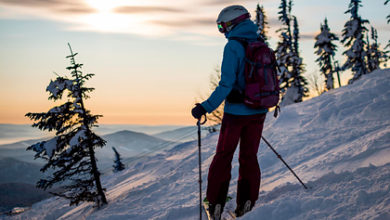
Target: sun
[[107, 19], [104, 19]]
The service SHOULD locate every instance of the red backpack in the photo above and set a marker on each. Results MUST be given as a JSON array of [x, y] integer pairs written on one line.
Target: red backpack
[[261, 80]]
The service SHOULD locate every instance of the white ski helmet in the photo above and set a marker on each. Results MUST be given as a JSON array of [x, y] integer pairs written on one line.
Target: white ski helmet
[[230, 16]]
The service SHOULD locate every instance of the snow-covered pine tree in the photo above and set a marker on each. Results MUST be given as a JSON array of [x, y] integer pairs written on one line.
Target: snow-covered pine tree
[[375, 56], [70, 154], [371, 64], [284, 51], [261, 22], [118, 165], [353, 39], [292, 83], [326, 51], [299, 81], [296, 36], [283, 54]]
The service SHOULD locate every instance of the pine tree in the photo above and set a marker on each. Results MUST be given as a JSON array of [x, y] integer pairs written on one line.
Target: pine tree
[[261, 22], [283, 13], [292, 82], [370, 62], [296, 36], [375, 56], [284, 51], [353, 39], [71, 153], [118, 165], [326, 51], [299, 83]]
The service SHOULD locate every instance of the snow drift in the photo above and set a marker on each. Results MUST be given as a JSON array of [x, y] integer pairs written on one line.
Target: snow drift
[[339, 143]]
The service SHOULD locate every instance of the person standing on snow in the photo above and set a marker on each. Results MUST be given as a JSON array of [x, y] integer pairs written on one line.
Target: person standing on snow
[[239, 124]]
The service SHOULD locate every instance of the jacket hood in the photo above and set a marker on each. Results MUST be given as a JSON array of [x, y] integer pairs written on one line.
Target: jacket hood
[[246, 29]]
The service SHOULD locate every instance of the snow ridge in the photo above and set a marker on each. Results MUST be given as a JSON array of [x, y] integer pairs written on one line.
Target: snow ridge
[[331, 197]]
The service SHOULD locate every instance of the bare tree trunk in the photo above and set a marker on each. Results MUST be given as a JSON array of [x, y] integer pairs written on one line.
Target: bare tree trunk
[[96, 174]]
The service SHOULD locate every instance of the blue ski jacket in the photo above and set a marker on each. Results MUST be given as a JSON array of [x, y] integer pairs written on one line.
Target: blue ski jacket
[[232, 72]]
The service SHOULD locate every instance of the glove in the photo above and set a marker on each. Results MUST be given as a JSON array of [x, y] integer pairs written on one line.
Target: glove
[[198, 111]]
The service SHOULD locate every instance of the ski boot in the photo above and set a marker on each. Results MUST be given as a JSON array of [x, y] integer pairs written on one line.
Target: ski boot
[[215, 211], [242, 209]]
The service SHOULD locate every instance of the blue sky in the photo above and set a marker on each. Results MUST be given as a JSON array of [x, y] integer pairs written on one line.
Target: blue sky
[[151, 60]]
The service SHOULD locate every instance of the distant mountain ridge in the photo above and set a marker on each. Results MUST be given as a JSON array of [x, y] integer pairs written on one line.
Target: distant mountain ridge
[[12, 133], [126, 137], [184, 134], [13, 170], [129, 144]]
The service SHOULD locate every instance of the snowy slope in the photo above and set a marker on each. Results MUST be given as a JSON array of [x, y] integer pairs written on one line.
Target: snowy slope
[[339, 143]]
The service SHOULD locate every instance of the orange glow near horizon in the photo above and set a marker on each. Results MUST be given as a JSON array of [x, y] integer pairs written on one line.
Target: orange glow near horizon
[[127, 114], [151, 119]]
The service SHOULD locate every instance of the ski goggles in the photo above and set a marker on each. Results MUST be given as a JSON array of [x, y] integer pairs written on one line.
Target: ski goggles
[[223, 26]]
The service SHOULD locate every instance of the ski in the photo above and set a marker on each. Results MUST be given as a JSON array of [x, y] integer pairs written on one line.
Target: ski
[[232, 214], [206, 209]]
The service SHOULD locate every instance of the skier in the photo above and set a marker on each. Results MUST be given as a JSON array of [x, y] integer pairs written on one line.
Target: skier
[[239, 124]]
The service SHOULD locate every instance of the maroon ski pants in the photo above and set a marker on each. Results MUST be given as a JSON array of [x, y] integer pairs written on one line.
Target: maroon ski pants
[[247, 130]]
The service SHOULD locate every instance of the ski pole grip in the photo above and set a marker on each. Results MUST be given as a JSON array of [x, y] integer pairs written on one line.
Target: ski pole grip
[[200, 122]]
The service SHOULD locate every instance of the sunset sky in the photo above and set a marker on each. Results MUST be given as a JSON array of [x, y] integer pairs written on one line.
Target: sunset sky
[[152, 59]]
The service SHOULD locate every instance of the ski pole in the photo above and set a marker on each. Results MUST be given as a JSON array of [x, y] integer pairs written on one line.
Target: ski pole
[[199, 123], [280, 157]]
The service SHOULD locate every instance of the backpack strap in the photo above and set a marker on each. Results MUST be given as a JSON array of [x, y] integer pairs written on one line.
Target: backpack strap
[[244, 41]]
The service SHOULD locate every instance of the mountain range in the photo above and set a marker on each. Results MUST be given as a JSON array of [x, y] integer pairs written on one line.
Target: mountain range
[[19, 172]]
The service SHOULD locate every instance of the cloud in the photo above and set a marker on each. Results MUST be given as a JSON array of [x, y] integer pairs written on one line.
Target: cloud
[[223, 2], [273, 22], [186, 22], [230, 2], [60, 6], [210, 21], [307, 36], [32, 3], [146, 9], [76, 10]]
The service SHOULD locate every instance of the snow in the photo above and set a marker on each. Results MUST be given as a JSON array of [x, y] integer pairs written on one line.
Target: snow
[[76, 138], [338, 143], [47, 146], [59, 85], [331, 197], [291, 95]]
